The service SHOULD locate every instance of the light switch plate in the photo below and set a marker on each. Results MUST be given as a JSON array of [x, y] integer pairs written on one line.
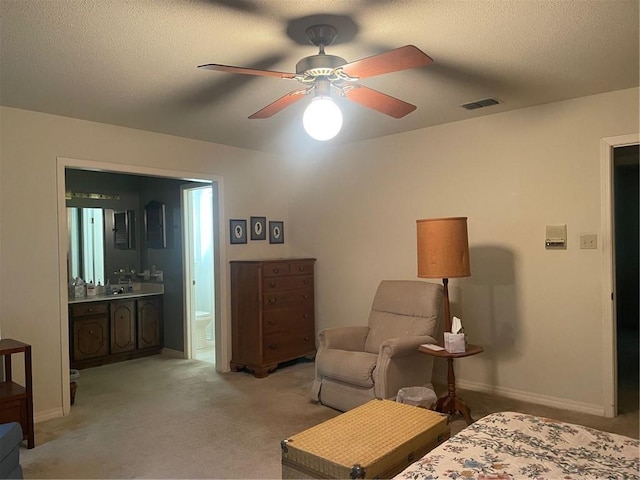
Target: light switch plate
[[588, 240]]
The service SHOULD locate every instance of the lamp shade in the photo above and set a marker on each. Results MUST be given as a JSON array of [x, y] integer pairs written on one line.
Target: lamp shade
[[443, 248]]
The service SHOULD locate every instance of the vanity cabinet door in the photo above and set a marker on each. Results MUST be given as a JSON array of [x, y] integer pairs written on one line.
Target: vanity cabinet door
[[149, 322], [123, 326], [89, 330], [90, 337]]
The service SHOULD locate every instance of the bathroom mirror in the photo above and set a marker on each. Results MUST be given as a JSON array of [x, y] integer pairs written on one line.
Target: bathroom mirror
[[86, 243], [101, 241]]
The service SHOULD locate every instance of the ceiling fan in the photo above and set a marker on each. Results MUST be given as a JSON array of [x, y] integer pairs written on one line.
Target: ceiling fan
[[323, 75]]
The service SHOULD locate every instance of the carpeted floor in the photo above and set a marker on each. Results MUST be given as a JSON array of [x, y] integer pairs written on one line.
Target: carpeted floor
[[162, 417]]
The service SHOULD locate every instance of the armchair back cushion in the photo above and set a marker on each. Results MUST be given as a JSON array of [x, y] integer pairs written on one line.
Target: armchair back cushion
[[402, 308]]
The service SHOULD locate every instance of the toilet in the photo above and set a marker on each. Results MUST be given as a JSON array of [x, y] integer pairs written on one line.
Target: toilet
[[203, 319]]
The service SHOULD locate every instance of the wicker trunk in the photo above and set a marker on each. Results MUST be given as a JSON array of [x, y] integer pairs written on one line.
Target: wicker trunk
[[376, 440]]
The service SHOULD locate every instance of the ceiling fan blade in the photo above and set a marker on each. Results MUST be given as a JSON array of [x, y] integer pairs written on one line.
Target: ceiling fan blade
[[381, 102], [280, 104], [387, 62], [246, 71]]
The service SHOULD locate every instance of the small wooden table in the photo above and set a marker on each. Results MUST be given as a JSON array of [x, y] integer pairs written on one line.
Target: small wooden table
[[16, 401], [451, 403]]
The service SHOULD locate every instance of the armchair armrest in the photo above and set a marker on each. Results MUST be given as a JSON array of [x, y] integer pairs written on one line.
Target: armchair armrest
[[400, 364], [343, 338], [398, 346]]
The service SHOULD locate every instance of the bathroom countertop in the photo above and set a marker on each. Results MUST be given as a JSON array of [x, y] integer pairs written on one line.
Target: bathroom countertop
[[139, 290]]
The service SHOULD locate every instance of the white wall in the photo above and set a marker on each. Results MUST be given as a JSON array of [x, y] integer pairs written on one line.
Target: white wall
[[538, 313], [355, 211], [29, 261]]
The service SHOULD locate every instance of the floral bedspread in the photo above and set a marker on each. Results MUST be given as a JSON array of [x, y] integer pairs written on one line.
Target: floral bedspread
[[510, 445]]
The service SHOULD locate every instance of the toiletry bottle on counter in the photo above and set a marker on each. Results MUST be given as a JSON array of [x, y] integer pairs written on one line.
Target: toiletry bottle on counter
[[107, 288], [91, 289]]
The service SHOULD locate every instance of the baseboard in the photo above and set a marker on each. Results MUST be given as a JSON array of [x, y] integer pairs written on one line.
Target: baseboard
[[546, 400], [170, 352]]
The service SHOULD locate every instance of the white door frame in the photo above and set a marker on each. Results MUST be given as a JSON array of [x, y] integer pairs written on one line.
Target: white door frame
[[223, 327], [609, 341], [188, 274]]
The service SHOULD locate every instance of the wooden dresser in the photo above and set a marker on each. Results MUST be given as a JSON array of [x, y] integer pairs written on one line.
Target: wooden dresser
[[272, 313]]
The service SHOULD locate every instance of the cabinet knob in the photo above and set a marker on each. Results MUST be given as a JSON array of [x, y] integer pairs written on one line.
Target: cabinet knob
[[273, 300], [272, 322], [306, 281], [90, 310], [276, 270], [273, 346], [90, 332], [301, 269], [306, 296], [306, 339], [272, 284], [306, 315]]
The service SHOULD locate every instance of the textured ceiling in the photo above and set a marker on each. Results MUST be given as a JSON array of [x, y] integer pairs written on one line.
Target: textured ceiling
[[133, 63]]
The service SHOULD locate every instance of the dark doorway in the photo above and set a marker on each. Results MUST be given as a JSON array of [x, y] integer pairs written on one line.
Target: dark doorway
[[626, 226]]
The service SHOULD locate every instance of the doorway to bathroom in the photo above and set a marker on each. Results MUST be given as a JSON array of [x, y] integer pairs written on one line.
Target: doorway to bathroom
[[199, 245]]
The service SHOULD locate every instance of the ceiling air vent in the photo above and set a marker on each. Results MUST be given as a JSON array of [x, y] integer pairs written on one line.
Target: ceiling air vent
[[487, 102]]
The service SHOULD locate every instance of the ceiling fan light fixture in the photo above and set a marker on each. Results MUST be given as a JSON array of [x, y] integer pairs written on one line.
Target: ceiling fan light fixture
[[322, 119]]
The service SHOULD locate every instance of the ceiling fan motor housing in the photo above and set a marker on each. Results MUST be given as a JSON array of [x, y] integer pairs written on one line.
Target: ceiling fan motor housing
[[319, 65]]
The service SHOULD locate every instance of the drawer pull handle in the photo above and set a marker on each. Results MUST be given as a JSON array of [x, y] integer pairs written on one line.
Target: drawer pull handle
[[301, 269], [306, 339], [272, 322], [90, 310], [273, 300], [276, 270], [272, 284], [273, 346], [305, 296], [306, 281]]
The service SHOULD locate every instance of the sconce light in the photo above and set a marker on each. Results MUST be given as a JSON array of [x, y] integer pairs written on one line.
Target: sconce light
[[322, 119]]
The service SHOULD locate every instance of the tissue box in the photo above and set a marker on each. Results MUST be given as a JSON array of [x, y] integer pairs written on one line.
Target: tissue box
[[77, 291], [454, 342]]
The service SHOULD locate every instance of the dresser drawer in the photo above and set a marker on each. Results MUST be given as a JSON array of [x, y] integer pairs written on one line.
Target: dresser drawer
[[89, 308], [275, 269], [301, 267], [286, 319], [288, 344], [274, 284], [286, 298]]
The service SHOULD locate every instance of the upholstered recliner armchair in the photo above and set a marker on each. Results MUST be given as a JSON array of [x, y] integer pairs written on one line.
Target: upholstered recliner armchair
[[355, 364]]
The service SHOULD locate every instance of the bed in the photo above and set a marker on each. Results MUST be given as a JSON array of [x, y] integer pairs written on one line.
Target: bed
[[510, 445]]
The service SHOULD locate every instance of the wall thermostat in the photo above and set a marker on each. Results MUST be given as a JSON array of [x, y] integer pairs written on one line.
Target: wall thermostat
[[556, 238]]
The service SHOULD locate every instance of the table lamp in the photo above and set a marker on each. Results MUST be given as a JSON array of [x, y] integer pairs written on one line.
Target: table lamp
[[443, 252]]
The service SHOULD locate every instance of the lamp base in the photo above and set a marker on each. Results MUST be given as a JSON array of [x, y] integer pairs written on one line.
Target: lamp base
[[451, 404]]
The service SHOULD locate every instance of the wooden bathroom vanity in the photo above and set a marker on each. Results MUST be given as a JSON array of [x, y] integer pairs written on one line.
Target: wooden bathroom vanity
[[114, 328]]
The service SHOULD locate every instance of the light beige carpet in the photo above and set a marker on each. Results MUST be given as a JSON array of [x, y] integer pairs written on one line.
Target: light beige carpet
[[162, 417]]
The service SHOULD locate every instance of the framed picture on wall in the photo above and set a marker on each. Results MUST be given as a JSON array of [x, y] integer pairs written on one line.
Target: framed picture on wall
[[237, 231], [258, 228], [276, 232]]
